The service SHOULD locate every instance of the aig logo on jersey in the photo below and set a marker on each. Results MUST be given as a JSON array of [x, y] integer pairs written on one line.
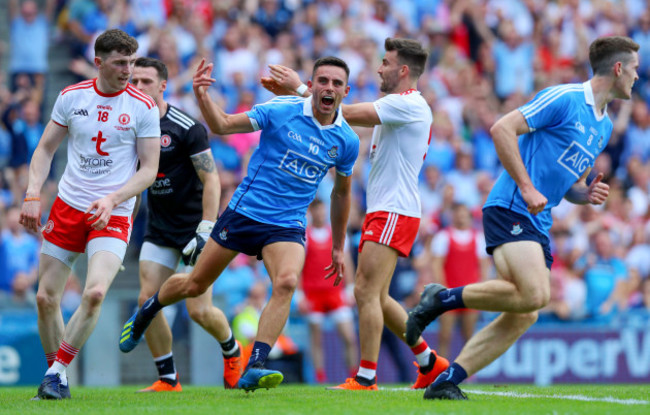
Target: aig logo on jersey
[[576, 159], [302, 167]]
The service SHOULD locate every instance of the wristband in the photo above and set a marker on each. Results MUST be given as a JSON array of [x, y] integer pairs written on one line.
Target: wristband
[[301, 89], [32, 199]]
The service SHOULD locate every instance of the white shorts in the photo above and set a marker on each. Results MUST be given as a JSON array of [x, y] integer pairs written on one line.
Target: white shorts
[[163, 255], [114, 245], [340, 315]]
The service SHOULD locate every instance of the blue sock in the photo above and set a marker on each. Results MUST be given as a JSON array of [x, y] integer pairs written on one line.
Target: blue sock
[[454, 374], [259, 354], [147, 312], [452, 298]]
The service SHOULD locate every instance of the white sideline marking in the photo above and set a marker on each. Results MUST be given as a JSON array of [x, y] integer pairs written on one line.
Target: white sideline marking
[[583, 398]]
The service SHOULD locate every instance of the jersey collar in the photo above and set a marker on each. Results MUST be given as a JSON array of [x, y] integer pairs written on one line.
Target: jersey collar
[[309, 112], [590, 100]]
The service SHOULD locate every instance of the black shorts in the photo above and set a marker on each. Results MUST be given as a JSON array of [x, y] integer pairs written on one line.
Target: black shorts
[[502, 225], [243, 234]]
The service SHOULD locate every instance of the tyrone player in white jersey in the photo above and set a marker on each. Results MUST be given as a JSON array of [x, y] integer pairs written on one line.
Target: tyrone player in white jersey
[[110, 126], [402, 123]]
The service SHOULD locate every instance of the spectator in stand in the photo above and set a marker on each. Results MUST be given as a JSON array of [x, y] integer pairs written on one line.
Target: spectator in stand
[[459, 258], [463, 178], [606, 277], [21, 250], [513, 57], [321, 299], [29, 35]]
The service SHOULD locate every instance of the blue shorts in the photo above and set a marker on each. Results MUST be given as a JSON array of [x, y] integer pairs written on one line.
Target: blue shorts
[[243, 234], [502, 225]]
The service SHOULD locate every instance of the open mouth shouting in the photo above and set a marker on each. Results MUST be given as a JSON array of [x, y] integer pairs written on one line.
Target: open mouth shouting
[[327, 101]]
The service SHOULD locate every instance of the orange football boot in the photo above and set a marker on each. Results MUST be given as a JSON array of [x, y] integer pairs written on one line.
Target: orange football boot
[[425, 380], [351, 384], [232, 369], [162, 386]]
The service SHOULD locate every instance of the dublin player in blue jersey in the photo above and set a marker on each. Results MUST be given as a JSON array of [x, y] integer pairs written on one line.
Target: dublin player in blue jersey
[[548, 148], [301, 140]]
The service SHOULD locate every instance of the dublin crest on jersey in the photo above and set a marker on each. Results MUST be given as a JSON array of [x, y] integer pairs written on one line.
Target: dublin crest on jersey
[[333, 152]]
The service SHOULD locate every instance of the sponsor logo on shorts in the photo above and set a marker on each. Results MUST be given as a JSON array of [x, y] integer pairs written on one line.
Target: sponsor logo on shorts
[[369, 232], [48, 226], [516, 229], [223, 235], [114, 229]]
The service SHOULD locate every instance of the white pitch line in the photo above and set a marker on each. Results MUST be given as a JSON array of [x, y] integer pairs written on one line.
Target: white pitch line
[[583, 398]]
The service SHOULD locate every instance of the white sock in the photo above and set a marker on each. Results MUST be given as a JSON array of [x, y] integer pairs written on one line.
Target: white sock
[[424, 358], [366, 373], [58, 368]]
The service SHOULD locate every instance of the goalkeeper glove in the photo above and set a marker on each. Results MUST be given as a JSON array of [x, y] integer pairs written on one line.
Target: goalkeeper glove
[[193, 249]]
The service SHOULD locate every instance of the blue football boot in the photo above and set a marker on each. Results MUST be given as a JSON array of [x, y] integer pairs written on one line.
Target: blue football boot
[[256, 377]]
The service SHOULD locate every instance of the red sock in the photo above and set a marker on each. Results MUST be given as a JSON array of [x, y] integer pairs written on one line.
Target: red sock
[[419, 348], [321, 377], [66, 353], [50, 358]]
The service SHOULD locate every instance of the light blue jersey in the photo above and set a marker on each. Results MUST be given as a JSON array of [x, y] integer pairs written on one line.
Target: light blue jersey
[[294, 154], [566, 135]]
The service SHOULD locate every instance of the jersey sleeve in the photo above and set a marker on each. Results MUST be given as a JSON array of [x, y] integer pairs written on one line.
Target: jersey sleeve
[[261, 114], [197, 139], [148, 124], [345, 164], [549, 107], [60, 111], [394, 109]]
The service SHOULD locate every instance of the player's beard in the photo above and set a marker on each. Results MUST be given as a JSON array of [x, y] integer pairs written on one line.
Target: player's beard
[[389, 82]]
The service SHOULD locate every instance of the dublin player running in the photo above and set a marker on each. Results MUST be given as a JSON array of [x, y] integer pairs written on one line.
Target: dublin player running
[[563, 129], [182, 206], [301, 140]]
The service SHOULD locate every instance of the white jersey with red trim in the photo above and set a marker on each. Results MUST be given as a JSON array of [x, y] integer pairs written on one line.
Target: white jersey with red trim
[[397, 152], [102, 133]]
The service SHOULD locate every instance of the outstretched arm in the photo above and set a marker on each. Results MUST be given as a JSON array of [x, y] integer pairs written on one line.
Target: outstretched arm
[[39, 168], [218, 121], [339, 212], [505, 133]]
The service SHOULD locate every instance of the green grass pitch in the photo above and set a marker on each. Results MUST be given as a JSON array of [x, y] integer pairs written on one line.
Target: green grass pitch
[[315, 400]]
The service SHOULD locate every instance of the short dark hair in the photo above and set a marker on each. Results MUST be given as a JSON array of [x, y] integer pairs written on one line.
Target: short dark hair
[[331, 61], [604, 52], [158, 65], [410, 53], [115, 40]]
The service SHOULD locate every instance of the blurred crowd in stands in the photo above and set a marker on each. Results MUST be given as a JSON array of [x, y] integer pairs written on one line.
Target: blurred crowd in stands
[[487, 57]]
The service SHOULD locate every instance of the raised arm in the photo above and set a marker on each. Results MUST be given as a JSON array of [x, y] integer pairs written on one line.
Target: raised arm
[[505, 134], [148, 150], [218, 121], [339, 212], [39, 168]]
